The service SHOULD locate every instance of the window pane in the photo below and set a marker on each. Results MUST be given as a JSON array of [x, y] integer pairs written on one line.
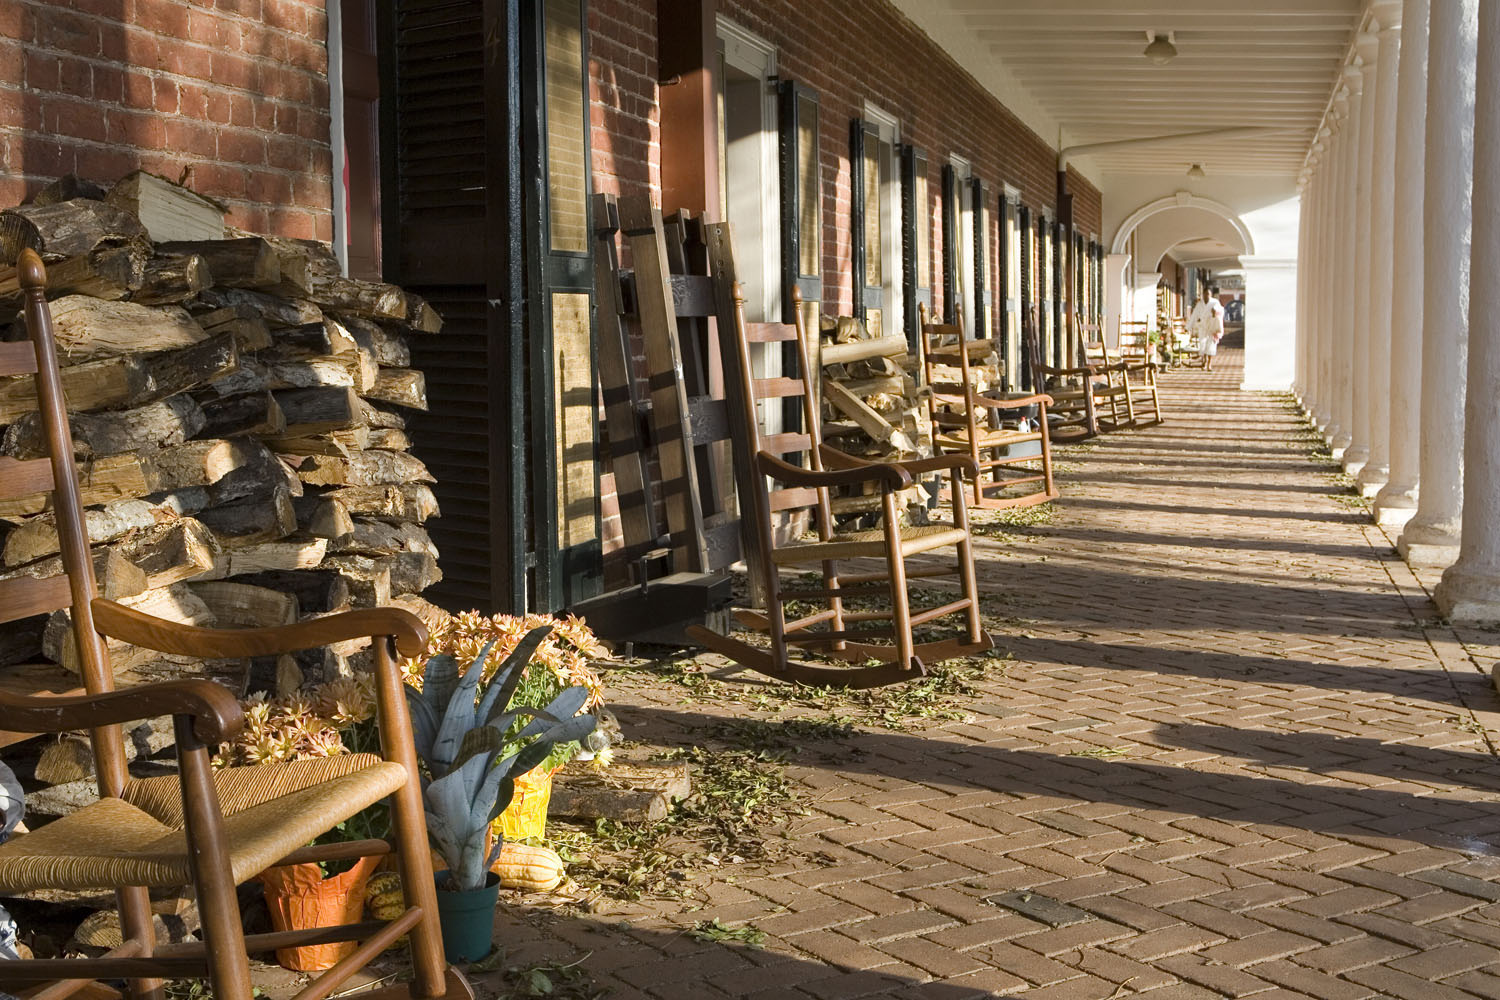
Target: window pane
[[809, 197], [872, 190], [924, 228], [573, 383], [567, 194]]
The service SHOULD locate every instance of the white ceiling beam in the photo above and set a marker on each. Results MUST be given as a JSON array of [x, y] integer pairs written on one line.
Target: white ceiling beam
[[1229, 9]]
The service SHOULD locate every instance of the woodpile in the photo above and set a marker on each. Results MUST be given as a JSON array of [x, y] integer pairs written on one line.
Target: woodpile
[[872, 405], [237, 413]]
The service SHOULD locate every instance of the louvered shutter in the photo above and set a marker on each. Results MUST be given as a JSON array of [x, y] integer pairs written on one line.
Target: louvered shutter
[[916, 239]]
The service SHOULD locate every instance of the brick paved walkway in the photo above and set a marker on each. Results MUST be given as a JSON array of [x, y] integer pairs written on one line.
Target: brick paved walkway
[[1235, 755]]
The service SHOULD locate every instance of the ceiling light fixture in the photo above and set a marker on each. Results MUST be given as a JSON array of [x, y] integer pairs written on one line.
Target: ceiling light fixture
[[1196, 171], [1160, 50]]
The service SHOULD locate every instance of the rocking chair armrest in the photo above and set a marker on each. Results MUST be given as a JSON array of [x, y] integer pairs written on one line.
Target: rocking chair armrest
[[1082, 370], [888, 476], [216, 713], [1013, 404], [139, 629], [962, 464]]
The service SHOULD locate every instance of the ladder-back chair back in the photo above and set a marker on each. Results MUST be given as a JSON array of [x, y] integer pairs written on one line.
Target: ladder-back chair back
[[778, 477], [1073, 390], [1111, 390], [996, 433], [1137, 352], [207, 829]]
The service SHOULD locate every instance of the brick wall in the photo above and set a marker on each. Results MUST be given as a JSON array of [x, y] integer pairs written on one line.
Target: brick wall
[[881, 57], [236, 90]]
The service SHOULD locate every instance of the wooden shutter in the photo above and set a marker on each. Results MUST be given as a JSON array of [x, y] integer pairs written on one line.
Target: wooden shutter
[[980, 219], [484, 206], [1005, 292], [801, 200], [867, 241], [1059, 295], [916, 239], [950, 244], [1028, 286]]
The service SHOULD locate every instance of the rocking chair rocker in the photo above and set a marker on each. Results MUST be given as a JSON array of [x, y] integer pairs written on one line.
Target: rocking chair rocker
[[206, 829], [759, 458]]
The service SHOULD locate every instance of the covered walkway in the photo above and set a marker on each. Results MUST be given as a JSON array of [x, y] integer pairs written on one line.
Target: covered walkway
[[1235, 754]]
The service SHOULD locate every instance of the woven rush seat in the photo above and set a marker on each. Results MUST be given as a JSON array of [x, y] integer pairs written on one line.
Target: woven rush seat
[[270, 811], [871, 544], [989, 437]]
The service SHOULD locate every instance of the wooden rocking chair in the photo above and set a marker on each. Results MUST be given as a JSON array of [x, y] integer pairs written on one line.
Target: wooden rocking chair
[[967, 422], [204, 828], [1138, 357], [1075, 392], [805, 491]]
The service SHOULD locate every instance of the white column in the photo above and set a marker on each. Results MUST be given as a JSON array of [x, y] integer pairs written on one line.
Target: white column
[[1342, 361], [1331, 251], [1382, 188], [1470, 588], [1431, 537], [1306, 199], [1270, 323], [1358, 360], [1397, 500], [1145, 296], [1114, 294]]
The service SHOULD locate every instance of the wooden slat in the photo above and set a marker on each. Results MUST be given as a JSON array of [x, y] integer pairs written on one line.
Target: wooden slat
[[17, 358], [792, 498], [20, 478], [24, 596], [777, 388], [770, 333], [35, 678], [785, 444]]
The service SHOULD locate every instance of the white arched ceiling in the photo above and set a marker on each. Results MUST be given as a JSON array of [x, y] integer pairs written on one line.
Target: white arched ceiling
[[1192, 234], [1179, 217]]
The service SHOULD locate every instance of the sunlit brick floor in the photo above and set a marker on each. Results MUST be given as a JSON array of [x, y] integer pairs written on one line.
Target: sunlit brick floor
[[1234, 740]]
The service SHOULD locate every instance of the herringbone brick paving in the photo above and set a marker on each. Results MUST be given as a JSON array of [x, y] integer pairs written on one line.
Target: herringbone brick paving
[[1234, 741]]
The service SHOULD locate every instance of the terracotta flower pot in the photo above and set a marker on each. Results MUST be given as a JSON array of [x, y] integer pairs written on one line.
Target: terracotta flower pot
[[526, 816], [299, 898]]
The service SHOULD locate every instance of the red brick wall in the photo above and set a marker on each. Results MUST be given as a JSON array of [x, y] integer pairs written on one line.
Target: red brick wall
[[235, 89], [880, 57]]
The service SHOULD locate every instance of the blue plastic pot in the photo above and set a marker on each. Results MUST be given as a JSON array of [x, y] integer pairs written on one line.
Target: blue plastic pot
[[467, 919]]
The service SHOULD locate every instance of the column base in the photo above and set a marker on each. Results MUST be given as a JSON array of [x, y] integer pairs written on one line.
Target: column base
[[1372, 479], [1395, 505], [1354, 459], [1429, 546], [1468, 598]]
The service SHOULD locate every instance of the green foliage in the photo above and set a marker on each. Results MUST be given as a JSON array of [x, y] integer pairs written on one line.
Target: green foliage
[[549, 979], [713, 930]]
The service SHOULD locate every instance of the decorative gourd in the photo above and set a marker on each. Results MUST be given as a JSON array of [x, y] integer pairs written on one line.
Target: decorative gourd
[[534, 869], [383, 896]]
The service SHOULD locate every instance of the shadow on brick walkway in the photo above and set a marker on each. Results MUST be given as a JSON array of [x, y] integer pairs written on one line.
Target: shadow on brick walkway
[[1232, 754]]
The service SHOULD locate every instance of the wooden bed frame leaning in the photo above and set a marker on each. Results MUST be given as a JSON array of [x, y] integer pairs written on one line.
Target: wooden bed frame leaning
[[205, 828], [804, 492]]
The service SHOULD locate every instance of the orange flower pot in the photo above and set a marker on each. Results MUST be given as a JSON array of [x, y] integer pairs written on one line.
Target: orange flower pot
[[300, 898]]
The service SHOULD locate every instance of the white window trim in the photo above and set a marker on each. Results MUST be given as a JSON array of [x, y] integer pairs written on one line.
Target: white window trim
[[752, 54], [889, 129], [963, 265]]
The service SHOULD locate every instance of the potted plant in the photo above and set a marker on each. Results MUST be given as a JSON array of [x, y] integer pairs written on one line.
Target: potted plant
[[559, 661], [473, 739], [327, 720]]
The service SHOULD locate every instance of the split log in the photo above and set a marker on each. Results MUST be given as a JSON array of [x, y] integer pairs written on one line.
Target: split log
[[256, 414], [109, 272], [288, 554], [366, 468], [67, 187], [37, 537], [414, 572], [175, 603], [369, 579], [114, 577], [404, 502], [252, 520], [261, 469], [869, 421], [316, 411], [234, 603], [21, 641], [315, 340], [249, 330], [71, 758], [389, 439], [376, 417], [172, 277], [402, 386], [164, 423], [420, 316], [840, 354], [339, 443], [373, 537], [139, 474], [354, 370], [274, 309], [249, 262], [317, 591], [322, 517], [370, 299], [249, 376], [625, 792], [390, 349], [168, 211], [430, 613], [170, 553], [86, 326], [78, 225]]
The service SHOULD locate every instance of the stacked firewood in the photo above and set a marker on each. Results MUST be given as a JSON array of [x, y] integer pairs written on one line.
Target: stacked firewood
[[872, 405], [237, 414]]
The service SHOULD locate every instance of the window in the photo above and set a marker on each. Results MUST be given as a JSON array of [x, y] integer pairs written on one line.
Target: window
[[1009, 289], [749, 188], [958, 243], [875, 209]]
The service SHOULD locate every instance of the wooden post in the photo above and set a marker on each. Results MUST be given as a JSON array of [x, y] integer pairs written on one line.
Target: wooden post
[[687, 54]]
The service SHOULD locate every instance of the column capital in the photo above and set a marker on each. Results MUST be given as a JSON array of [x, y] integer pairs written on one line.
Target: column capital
[[1367, 44], [1387, 13]]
